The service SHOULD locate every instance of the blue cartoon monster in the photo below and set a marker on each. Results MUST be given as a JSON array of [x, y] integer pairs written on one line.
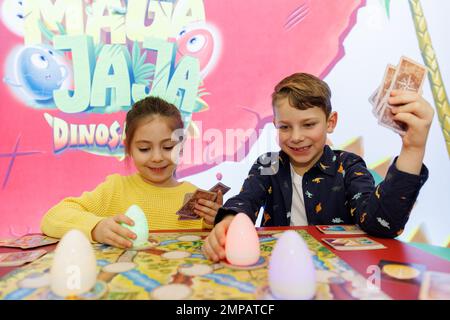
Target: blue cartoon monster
[[38, 73]]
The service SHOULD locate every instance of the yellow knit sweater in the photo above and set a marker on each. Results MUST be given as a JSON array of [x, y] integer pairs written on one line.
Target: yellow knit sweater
[[115, 196]]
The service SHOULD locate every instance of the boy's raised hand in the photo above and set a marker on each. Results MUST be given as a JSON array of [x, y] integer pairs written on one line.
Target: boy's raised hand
[[413, 110], [109, 231], [214, 245], [208, 209]]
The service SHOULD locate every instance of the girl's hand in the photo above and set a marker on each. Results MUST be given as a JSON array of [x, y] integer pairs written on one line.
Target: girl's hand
[[208, 209], [109, 231]]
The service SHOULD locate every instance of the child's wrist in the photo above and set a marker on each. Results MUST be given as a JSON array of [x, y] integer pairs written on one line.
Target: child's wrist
[[413, 150], [94, 231], [410, 160]]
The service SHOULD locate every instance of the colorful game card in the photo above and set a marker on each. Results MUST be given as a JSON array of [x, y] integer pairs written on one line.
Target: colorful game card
[[345, 244], [13, 259], [340, 229], [402, 271], [29, 241], [4, 242], [187, 210], [435, 286]]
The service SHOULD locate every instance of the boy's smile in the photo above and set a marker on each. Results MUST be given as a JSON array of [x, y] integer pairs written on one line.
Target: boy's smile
[[302, 133], [300, 150]]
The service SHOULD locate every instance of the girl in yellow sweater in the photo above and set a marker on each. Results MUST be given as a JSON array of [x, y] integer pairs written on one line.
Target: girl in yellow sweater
[[153, 140]]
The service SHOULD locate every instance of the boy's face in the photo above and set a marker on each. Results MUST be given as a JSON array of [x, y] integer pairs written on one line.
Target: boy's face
[[154, 152], [302, 133]]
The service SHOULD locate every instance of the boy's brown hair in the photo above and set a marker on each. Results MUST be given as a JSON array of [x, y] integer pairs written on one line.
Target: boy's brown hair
[[304, 91]]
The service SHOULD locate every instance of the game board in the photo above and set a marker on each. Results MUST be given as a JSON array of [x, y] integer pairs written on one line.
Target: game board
[[174, 268]]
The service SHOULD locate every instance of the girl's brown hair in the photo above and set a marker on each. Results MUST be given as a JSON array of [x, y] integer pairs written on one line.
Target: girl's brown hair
[[148, 107]]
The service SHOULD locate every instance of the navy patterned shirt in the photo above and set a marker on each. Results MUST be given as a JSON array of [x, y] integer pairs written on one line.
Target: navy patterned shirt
[[338, 189]]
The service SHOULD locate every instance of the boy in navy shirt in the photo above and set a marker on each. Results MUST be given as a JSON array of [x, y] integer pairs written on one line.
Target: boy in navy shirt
[[308, 183]]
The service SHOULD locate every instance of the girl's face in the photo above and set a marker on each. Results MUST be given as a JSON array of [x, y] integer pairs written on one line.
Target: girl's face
[[155, 151]]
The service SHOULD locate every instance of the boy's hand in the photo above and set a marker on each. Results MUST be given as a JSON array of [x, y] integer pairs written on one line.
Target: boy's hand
[[214, 245], [208, 209], [413, 110], [109, 231]]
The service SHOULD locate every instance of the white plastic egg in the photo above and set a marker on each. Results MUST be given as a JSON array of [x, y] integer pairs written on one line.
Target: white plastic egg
[[292, 275], [74, 268]]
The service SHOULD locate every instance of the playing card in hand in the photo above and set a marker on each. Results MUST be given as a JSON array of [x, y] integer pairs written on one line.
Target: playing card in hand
[[408, 75], [372, 99], [385, 85], [187, 210], [220, 186]]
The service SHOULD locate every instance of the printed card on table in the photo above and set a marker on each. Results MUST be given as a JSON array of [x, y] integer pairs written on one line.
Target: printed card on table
[[347, 244], [29, 241], [402, 271], [13, 259], [340, 229], [435, 286]]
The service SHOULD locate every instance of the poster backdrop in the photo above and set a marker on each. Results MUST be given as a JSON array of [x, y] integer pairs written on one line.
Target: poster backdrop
[[71, 69]]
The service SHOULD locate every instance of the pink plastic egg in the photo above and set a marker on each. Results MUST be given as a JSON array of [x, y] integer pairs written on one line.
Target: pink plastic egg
[[242, 242]]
